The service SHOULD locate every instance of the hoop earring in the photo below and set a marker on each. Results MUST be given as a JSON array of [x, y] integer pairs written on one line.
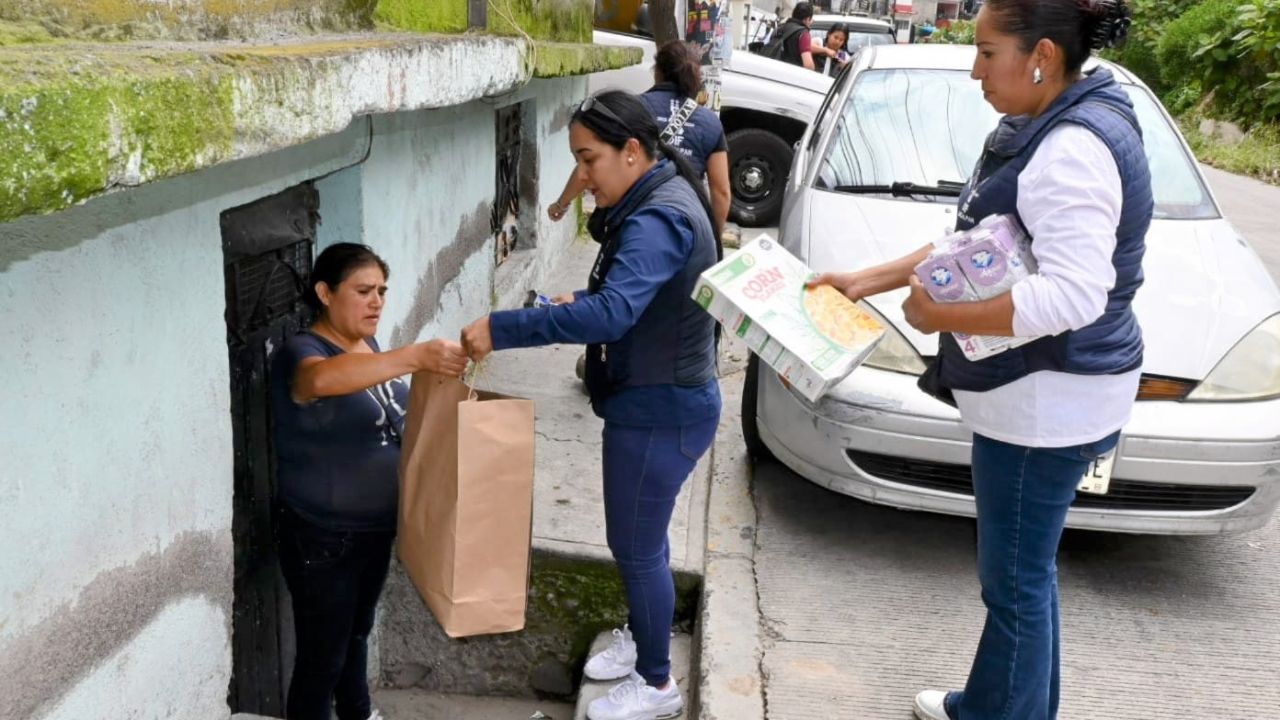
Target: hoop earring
[[1036, 77]]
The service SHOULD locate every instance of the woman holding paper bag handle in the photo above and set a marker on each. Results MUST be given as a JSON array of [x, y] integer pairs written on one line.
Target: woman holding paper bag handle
[[338, 407], [651, 371], [1067, 159]]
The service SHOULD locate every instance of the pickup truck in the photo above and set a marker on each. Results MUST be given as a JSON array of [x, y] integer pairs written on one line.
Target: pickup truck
[[765, 106]]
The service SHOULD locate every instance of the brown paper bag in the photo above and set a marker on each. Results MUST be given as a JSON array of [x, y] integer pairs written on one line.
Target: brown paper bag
[[466, 504]]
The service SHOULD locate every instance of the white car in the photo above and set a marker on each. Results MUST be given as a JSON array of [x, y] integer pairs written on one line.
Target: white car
[[1202, 452]]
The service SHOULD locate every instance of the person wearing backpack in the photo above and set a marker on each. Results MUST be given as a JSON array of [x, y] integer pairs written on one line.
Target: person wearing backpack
[[792, 42], [688, 127]]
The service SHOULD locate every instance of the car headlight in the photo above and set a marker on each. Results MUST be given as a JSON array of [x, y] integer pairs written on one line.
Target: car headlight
[[893, 353], [1250, 370]]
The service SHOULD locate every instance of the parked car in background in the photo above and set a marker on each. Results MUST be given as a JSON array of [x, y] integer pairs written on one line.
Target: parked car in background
[[1201, 454], [765, 106]]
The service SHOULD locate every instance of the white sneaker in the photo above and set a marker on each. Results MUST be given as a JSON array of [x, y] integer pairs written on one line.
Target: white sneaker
[[930, 705], [635, 699], [375, 715], [616, 661]]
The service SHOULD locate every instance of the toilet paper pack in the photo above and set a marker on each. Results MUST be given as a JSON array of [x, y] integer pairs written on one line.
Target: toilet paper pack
[[981, 263]]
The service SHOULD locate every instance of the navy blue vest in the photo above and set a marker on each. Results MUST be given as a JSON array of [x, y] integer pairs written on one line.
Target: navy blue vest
[[673, 342], [1113, 343]]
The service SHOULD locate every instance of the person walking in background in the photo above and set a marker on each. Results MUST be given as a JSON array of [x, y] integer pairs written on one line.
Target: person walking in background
[[1068, 160], [338, 405], [792, 42], [688, 127], [651, 371]]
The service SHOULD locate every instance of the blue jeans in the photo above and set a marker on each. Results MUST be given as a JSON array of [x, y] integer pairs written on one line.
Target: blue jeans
[[1022, 495], [644, 468]]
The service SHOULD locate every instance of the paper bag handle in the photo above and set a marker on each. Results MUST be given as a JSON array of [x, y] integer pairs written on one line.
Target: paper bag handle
[[477, 371]]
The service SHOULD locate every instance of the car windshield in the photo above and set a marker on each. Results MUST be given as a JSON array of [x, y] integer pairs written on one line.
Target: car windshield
[[928, 127]]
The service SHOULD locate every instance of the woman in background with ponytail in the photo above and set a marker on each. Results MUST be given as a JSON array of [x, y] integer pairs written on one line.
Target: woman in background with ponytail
[[1068, 161], [650, 371], [685, 125]]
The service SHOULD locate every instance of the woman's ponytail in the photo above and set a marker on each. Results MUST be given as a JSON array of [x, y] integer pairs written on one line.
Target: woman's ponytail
[[677, 62]]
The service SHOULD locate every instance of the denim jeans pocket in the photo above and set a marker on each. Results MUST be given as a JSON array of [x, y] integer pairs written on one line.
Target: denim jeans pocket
[[696, 438], [318, 547]]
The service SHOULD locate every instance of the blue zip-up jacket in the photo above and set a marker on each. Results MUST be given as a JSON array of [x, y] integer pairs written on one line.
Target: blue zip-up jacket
[[657, 248]]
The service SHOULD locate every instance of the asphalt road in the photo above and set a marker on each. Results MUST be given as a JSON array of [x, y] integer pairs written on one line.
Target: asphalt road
[[863, 605]]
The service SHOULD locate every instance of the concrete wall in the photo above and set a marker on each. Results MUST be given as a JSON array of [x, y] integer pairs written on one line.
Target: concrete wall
[[115, 447]]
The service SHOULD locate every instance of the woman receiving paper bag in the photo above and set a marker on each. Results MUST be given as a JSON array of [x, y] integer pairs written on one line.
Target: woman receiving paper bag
[[337, 406]]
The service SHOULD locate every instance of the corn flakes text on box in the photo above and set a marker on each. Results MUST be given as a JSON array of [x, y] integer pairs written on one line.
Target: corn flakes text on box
[[812, 337]]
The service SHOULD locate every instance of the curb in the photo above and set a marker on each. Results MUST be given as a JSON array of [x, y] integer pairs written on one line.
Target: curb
[[727, 647]]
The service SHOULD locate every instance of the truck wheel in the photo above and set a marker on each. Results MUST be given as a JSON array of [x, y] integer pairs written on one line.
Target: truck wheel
[[756, 448], [758, 165]]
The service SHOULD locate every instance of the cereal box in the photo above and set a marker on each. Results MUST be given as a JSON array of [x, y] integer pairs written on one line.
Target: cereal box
[[979, 264], [813, 337]]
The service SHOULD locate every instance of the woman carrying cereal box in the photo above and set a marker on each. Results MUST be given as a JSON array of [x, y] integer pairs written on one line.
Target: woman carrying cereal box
[[1067, 159]]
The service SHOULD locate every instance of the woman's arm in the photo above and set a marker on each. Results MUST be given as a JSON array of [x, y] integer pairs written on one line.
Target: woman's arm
[[987, 317], [1069, 198], [654, 246], [875, 280], [317, 377], [718, 179], [573, 187]]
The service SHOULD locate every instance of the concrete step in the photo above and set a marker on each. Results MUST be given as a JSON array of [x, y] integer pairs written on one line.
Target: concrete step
[[416, 704], [681, 652]]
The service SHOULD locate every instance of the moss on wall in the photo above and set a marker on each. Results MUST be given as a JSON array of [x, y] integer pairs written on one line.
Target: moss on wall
[[77, 120], [557, 20], [574, 599], [560, 59], [23, 33], [70, 132], [422, 15], [122, 20]]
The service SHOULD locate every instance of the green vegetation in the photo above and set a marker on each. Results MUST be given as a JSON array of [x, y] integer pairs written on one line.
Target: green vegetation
[[1219, 60], [960, 32]]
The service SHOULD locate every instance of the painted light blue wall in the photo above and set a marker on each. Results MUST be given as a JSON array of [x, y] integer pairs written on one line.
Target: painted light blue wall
[[116, 459], [116, 482]]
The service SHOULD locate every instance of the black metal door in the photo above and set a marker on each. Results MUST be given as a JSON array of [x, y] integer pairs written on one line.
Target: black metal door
[[267, 253]]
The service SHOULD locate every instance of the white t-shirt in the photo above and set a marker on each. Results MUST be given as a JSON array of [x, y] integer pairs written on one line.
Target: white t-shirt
[[1069, 197]]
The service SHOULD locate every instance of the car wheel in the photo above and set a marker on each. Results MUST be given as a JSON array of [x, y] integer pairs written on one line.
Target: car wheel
[[758, 165], [756, 448]]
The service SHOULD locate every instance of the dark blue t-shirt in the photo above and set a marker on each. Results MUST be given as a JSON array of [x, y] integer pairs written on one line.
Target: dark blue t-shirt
[[337, 458], [701, 136]]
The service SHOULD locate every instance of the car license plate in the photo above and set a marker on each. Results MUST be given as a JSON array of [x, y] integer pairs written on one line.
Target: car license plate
[[1097, 478]]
